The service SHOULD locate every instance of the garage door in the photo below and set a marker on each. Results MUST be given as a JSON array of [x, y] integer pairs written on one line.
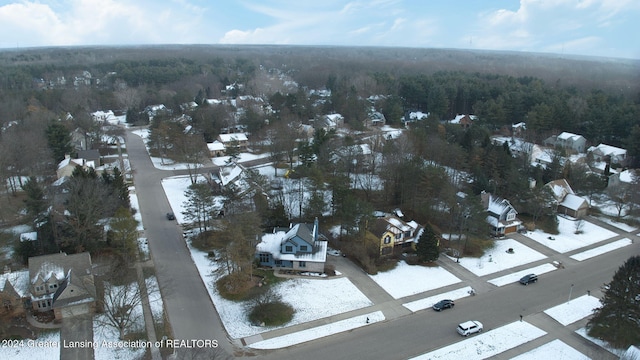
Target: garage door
[[75, 310]]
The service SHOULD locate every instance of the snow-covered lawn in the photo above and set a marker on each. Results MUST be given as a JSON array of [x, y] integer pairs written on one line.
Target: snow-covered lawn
[[602, 249], [242, 157], [405, 280], [574, 310], [620, 225], [427, 303], [28, 351], [174, 188], [555, 349], [567, 240], [497, 259], [488, 344], [516, 276], [312, 299], [319, 332]]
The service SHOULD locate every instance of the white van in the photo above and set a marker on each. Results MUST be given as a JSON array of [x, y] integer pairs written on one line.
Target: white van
[[469, 327]]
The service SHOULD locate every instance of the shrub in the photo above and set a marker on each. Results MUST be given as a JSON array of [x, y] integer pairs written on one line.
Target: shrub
[[271, 314]]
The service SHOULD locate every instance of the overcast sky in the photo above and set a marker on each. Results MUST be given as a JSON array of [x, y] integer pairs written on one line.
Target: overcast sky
[[609, 28]]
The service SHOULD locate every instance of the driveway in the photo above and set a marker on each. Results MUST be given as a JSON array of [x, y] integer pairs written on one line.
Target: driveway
[[77, 329]]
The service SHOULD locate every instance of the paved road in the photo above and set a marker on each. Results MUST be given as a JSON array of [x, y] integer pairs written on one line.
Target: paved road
[[403, 335], [189, 308], [408, 336]]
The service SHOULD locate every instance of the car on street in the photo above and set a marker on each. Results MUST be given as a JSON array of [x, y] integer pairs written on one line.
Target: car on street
[[528, 279], [469, 327], [443, 304], [170, 216]]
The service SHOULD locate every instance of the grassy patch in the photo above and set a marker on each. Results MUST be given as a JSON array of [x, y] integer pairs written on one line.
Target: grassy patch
[[271, 314]]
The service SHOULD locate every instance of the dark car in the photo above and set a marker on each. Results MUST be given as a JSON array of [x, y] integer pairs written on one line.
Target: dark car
[[528, 279], [170, 216], [443, 304]]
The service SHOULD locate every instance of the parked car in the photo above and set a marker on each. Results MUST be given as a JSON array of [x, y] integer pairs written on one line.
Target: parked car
[[527, 279], [469, 327], [170, 216], [443, 304]]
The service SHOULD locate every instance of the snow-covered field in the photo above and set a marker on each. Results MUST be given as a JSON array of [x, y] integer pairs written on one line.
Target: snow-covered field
[[515, 277], [567, 240], [319, 332], [555, 349], [312, 299], [588, 254], [574, 310], [28, 352], [174, 188], [405, 280], [620, 225], [488, 344], [497, 259]]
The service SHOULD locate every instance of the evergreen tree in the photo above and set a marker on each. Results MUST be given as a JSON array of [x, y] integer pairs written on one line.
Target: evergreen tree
[[35, 202], [427, 247], [618, 320], [59, 140]]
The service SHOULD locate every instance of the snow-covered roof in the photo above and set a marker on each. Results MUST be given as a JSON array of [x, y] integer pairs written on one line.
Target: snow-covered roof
[[225, 138], [573, 202], [18, 279], [627, 176], [335, 117], [569, 136], [229, 174], [459, 117], [270, 243], [29, 236], [497, 205], [608, 150], [418, 115], [215, 146]]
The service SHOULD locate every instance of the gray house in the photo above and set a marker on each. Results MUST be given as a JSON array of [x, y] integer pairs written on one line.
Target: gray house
[[299, 247], [569, 141]]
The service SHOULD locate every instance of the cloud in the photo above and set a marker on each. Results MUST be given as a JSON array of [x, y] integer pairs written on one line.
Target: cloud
[[544, 25], [77, 22]]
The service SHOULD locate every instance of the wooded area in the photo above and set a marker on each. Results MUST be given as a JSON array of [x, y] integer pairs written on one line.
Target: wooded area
[[45, 94]]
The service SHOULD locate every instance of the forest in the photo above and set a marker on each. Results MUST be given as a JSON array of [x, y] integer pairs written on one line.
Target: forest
[[44, 92]]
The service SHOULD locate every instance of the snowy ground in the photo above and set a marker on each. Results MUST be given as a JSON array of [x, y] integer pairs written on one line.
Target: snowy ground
[[574, 310], [28, 351], [405, 280], [555, 349], [312, 299], [515, 277], [427, 303], [488, 344], [602, 249], [620, 225], [603, 344], [320, 331], [497, 259], [174, 188], [567, 240]]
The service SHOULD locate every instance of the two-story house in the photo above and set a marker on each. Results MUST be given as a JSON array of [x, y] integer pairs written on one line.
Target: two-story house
[[299, 247], [62, 283], [614, 155], [569, 141], [14, 288], [238, 140], [394, 232], [566, 201], [501, 215]]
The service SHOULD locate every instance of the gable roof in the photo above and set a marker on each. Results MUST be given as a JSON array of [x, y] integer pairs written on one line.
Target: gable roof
[[569, 136], [226, 138], [58, 265], [17, 281], [560, 188]]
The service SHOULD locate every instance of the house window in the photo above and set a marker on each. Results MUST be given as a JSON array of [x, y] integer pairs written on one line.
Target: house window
[[399, 236], [53, 286], [407, 234], [303, 248], [39, 288], [387, 239], [303, 264], [278, 262], [288, 249], [511, 216], [264, 257]]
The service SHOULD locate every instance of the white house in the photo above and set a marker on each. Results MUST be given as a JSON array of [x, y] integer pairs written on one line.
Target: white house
[[603, 151]]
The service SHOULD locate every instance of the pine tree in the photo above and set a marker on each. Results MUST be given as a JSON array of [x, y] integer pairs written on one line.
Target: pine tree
[[427, 247], [618, 320]]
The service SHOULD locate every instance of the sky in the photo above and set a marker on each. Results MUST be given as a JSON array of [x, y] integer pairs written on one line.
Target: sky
[[606, 28]]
